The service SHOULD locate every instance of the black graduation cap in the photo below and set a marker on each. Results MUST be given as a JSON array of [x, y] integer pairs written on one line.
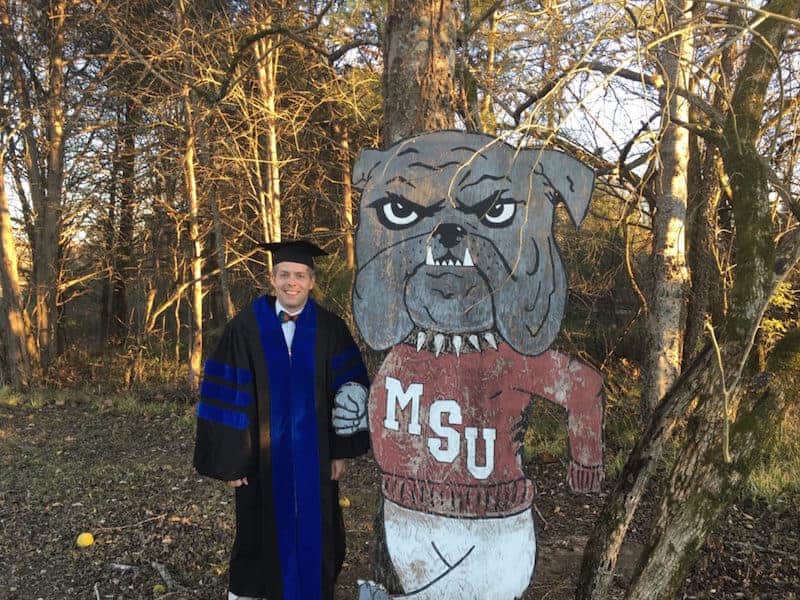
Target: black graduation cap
[[299, 251]]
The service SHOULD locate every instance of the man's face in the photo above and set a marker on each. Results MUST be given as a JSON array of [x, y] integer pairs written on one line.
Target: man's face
[[292, 283]]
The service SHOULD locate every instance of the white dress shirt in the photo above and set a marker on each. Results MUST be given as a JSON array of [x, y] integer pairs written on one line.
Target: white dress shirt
[[289, 326]]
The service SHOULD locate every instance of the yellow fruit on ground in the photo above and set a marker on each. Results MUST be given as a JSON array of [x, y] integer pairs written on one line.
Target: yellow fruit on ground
[[84, 540], [158, 589], [344, 501]]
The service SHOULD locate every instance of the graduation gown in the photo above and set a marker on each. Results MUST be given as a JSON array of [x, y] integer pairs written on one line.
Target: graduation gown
[[266, 415]]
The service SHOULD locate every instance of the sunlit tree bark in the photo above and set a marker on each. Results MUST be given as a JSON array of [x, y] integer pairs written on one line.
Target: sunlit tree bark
[[190, 183], [666, 314], [419, 57], [19, 343], [267, 56], [43, 134]]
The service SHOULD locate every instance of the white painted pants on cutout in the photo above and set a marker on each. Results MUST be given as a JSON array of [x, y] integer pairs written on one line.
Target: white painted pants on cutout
[[440, 558]]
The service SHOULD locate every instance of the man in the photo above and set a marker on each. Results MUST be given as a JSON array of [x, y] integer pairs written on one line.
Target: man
[[282, 404]]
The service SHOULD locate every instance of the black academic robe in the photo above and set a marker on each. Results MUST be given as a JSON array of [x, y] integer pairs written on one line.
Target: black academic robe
[[266, 415]]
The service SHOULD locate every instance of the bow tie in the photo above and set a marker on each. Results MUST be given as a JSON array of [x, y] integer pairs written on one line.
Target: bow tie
[[285, 317]]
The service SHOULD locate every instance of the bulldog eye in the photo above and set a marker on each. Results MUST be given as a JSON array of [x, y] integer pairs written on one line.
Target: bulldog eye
[[396, 212], [500, 214]]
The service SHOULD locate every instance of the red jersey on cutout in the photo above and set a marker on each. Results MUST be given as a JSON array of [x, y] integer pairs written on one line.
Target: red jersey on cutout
[[447, 430]]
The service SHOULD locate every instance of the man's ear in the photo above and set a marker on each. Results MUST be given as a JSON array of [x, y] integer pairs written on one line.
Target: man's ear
[[563, 178], [367, 161]]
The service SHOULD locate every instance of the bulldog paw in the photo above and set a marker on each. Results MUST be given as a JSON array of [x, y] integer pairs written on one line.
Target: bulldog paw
[[350, 409], [584, 479], [369, 590]]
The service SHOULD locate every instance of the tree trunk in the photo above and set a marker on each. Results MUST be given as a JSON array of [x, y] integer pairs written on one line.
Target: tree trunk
[[703, 485], [219, 255], [602, 550], [46, 263], [179, 271], [418, 95], [267, 58], [196, 346], [18, 342], [110, 244], [190, 182], [45, 174], [342, 134], [123, 249], [670, 274], [705, 275], [223, 300], [487, 117], [707, 283], [419, 63]]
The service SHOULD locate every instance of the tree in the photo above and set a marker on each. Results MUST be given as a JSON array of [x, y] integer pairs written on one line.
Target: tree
[[734, 404], [19, 345], [267, 55], [419, 54], [41, 109], [670, 276], [418, 85]]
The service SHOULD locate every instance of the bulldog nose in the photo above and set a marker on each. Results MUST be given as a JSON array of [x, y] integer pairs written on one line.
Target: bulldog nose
[[449, 234]]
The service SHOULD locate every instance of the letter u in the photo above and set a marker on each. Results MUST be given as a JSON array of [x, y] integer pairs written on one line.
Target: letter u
[[489, 435]]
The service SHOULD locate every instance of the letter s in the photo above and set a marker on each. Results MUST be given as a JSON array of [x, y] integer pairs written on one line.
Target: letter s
[[449, 453]]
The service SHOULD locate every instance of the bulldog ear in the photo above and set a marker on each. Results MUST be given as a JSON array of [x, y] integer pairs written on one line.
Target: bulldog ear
[[366, 162], [563, 178]]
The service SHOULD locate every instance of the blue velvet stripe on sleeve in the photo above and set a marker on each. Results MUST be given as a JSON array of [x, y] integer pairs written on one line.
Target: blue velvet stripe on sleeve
[[357, 372], [229, 374], [214, 391], [231, 418]]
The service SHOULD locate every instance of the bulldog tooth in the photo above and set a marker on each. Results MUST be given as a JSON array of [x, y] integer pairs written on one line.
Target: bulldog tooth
[[429, 257], [457, 344], [473, 339], [468, 259], [458, 263], [421, 338], [489, 337], [438, 343]]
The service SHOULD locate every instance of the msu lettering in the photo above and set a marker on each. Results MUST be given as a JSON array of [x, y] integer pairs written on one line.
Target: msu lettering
[[444, 441]]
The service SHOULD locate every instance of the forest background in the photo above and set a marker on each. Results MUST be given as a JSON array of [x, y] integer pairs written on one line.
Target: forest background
[[148, 145]]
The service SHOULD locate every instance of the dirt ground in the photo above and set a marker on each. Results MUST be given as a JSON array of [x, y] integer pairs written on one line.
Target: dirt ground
[[124, 474]]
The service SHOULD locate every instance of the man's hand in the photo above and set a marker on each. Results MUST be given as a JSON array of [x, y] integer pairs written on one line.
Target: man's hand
[[338, 467], [350, 409], [238, 482]]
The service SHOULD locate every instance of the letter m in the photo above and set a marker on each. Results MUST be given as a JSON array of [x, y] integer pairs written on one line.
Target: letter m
[[396, 396]]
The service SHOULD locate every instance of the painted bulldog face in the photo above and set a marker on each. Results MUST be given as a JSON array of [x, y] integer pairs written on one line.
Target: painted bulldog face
[[455, 237]]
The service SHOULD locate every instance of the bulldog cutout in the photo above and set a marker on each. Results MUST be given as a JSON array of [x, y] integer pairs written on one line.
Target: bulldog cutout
[[459, 275]]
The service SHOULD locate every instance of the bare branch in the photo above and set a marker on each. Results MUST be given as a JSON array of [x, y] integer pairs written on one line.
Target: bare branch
[[485, 16]]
